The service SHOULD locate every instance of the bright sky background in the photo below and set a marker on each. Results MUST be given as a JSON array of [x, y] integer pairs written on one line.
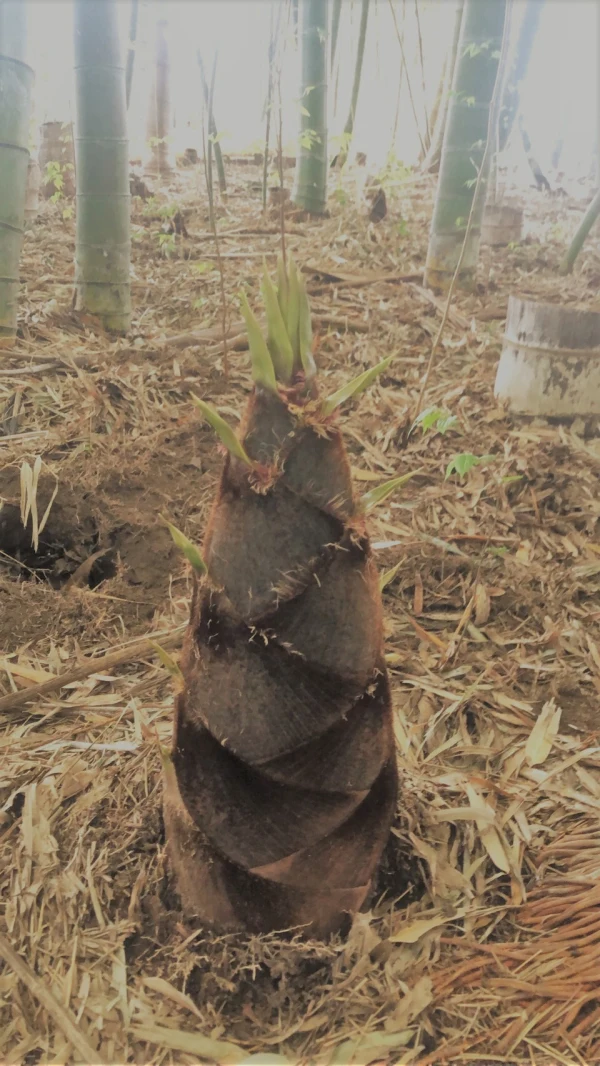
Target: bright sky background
[[560, 95]]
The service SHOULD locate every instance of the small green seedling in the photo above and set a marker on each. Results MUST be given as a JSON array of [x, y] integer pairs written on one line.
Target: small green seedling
[[435, 418], [464, 462]]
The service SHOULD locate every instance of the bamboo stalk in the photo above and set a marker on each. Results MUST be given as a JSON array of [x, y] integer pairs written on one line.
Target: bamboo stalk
[[360, 53], [310, 186], [102, 255], [460, 196], [133, 23], [16, 80], [212, 125]]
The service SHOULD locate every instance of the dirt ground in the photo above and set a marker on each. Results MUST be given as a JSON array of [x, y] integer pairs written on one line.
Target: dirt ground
[[482, 940]]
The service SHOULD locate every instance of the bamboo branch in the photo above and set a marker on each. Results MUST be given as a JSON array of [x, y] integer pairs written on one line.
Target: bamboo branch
[[410, 92], [583, 229]]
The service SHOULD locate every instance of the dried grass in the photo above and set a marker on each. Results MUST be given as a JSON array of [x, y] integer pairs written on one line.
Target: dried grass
[[493, 640]]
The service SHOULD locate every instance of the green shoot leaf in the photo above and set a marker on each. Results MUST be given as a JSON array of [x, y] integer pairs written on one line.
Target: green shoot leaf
[[465, 461], [168, 662], [185, 545], [278, 341], [293, 309], [223, 431], [168, 768], [305, 335], [282, 289], [354, 387], [389, 575], [381, 492], [263, 371]]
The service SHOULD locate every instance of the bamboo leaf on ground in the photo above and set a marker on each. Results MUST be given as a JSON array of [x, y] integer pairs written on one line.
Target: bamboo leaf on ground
[[542, 736], [490, 837]]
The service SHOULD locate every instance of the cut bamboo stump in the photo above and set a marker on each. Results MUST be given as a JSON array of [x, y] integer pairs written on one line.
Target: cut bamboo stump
[[550, 362], [502, 224]]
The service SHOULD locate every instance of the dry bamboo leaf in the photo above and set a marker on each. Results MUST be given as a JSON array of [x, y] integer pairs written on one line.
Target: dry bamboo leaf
[[588, 781], [542, 736], [46, 515], [478, 811], [364, 475], [75, 782], [504, 700], [368, 1048], [40, 991], [414, 930], [28, 673], [418, 594], [266, 1058], [411, 1005], [82, 573], [165, 988], [35, 532], [490, 837], [220, 1051], [425, 635], [26, 478], [482, 605], [445, 877]]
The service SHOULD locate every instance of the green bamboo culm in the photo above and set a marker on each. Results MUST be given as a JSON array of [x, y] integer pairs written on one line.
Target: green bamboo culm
[[518, 70], [349, 127], [335, 27], [133, 22], [102, 256], [310, 187], [16, 80], [214, 144], [592, 213], [439, 113], [463, 149], [158, 120]]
